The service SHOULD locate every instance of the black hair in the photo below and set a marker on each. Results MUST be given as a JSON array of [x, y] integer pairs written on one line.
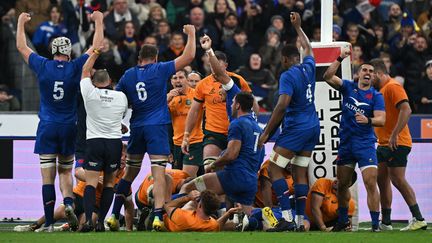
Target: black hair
[[148, 52], [290, 50], [221, 56], [378, 65], [246, 101]]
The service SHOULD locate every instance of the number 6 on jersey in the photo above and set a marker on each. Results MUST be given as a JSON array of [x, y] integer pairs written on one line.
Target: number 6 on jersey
[[142, 93]]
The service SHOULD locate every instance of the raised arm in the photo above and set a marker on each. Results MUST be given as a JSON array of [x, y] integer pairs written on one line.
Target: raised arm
[[330, 74], [179, 202], [98, 37], [21, 42], [88, 65], [304, 40], [218, 72], [188, 54]]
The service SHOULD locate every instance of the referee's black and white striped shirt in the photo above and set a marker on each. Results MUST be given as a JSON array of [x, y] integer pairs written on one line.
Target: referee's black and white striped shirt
[[105, 110]]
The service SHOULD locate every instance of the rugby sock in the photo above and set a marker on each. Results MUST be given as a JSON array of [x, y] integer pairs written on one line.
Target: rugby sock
[[122, 191], [48, 197], [157, 212], [301, 191], [386, 212], [375, 219], [178, 195], [222, 209], [68, 201], [415, 210], [343, 215], [281, 189], [105, 204], [253, 224], [89, 202]]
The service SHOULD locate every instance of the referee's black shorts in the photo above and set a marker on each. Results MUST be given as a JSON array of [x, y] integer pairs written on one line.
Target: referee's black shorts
[[103, 154]]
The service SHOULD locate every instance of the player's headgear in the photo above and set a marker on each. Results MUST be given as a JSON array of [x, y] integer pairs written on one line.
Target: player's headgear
[[61, 45]]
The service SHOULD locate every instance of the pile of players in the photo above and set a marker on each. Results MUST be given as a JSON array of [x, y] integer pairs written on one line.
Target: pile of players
[[237, 190]]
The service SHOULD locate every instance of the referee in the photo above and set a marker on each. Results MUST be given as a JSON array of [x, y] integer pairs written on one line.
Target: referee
[[105, 110]]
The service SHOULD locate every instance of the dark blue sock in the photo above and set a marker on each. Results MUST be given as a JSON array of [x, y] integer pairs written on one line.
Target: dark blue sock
[[178, 195], [89, 202], [68, 201], [105, 204], [222, 205], [375, 219], [253, 224], [49, 198], [343, 215], [158, 212], [281, 189], [123, 188], [301, 191]]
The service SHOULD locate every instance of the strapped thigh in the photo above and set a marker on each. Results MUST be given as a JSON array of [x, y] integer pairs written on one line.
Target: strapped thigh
[[47, 160], [66, 162], [279, 160]]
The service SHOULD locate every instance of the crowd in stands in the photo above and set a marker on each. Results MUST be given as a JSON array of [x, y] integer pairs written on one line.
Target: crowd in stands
[[250, 32]]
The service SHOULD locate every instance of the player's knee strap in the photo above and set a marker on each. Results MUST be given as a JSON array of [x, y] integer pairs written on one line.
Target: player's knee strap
[[200, 184], [133, 163], [301, 161], [159, 162], [209, 160], [66, 163], [47, 160], [279, 160]]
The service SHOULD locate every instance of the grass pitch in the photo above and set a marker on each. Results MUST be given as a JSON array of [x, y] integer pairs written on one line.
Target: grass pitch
[[222, 237]]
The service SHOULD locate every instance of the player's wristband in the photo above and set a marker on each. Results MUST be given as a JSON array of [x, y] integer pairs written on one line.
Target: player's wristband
[[210, 52], [339, 59], [369, 121], [228, 86], [95, 51], [213, 166]]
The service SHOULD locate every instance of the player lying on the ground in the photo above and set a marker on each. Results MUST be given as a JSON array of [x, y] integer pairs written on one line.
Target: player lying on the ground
[[322, 204], [362, 109], [79, 207], [144, 198], [58, 81]]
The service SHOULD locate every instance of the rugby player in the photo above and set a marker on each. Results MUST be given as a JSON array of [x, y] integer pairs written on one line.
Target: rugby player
[[179, 103], [362, 109], [55, 138], [322, 204], [300, 132], [145, 87], [394, 145], [105, 110]]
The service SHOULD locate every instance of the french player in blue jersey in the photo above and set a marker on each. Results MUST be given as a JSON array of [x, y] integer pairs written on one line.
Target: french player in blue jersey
[[58, 84], [242, 158], [362, 109], [145, 87], [300, 132]]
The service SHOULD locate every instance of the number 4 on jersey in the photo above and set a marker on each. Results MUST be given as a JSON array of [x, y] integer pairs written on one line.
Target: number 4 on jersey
[[309, 95]]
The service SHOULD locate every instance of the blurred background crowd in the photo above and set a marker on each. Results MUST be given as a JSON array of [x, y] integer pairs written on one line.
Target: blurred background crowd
[[250, 32]]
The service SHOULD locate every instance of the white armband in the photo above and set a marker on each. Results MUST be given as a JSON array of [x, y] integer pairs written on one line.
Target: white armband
[[228, 86]]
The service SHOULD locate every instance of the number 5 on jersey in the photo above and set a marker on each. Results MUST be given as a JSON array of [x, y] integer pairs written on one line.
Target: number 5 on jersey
[[58, 91], [142, 93]]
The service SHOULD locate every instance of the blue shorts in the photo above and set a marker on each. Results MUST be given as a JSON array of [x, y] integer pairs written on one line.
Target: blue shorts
[[55, 138], [237, 186], [298, 140], [353, 152], [151, 139]]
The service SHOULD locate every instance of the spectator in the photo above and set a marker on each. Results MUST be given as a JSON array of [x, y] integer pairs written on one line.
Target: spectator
[[150, 40], [142, 9], [261, 80], [400, 39], [110, 60], [128, 46], [217, 18], [355, 38], [391, 69], [163, 34], [393, 24], [357, 59], [156, 15], [40, 10], [229, 26], [381, 44], [413, 58], [278, 23], [271, 51], [175, 49], [209, 5], [337, 18], [238, 50], [116, 19], [253, 21], [425, 91], [8, 102], [337, 31], [316, 33], [49, 30]]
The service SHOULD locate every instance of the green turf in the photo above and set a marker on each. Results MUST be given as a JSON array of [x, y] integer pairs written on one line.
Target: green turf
[[364, 236]]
